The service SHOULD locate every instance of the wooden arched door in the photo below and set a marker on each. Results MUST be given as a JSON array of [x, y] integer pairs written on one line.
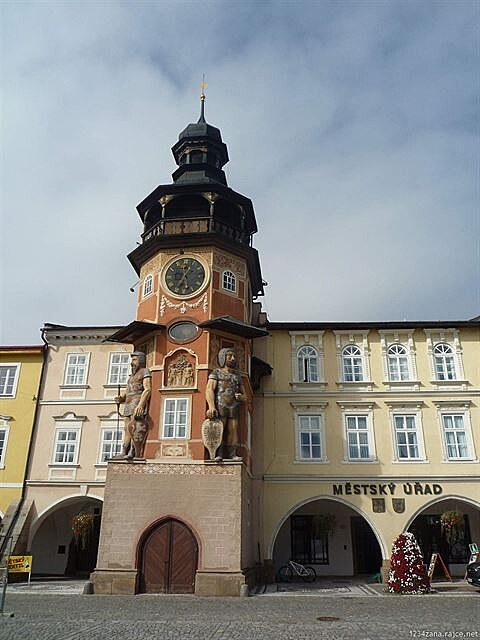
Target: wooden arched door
[[169, 556]]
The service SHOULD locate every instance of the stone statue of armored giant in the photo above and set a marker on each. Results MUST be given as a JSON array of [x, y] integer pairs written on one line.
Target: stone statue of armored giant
[[224, 393], [137, 400]]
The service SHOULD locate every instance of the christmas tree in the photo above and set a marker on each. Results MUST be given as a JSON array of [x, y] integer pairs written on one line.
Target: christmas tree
[[407, 572]]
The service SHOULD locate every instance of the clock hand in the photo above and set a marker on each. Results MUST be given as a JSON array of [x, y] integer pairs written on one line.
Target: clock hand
[[185, 271]]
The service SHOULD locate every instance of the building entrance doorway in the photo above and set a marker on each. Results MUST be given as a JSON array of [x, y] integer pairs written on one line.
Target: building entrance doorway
[[367, 558], [168, 559]]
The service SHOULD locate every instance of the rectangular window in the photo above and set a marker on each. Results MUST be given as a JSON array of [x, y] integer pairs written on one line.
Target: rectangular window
[[175, 418], [352, 370], [358, 438], [398, 369], [8, 379], [406, 437], [76, 369], [66, 443], [310, 437], [309, 546], [119, 368], [111, 444], [3, 445], [455, 435]]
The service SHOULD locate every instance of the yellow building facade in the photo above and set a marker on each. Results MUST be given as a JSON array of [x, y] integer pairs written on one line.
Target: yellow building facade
[[365, 431], [77, 430], [20, 374]]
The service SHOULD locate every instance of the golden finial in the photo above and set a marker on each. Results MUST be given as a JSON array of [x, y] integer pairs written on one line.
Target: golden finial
[[203, 86]]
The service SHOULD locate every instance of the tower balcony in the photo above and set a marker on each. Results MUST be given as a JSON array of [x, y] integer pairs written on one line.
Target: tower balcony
[[181, 225]]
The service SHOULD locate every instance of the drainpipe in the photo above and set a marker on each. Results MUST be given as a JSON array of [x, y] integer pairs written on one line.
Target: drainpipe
[[28, 465]]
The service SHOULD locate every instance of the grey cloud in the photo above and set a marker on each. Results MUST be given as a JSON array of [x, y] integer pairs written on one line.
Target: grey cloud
[[351, 125]]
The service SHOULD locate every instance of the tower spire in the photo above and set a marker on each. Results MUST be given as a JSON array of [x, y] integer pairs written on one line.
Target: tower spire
[[203, 86]]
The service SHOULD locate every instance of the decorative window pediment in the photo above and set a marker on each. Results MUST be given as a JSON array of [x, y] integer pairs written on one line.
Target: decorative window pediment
[[353, 358], [445, 357], [307, 359]]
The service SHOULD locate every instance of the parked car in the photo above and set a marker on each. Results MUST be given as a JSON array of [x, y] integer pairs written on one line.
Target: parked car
[[473, 573]]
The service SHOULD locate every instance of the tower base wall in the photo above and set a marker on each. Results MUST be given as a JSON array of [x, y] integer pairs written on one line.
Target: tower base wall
[[209, 498]]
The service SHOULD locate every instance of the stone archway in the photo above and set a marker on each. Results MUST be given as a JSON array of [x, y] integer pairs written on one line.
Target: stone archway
[[354, 547], [168, 558], [53, 546], [426, 526]]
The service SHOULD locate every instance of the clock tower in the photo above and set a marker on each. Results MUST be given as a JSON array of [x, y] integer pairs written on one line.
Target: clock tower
[[186, 521]]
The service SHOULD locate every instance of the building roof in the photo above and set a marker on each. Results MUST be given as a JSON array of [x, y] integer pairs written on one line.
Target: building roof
[[234, 326], [403, 324]]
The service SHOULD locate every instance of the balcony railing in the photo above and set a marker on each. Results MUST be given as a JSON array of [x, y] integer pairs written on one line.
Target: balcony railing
[[178, 226]]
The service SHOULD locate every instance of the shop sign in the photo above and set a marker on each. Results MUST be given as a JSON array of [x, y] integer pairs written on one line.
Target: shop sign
[[387, 489], [19, 564]]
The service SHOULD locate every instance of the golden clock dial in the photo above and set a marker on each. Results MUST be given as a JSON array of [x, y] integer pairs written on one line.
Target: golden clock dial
[[185, 276]]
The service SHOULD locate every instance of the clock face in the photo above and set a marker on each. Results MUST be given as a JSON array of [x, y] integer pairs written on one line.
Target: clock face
[[185, 276]]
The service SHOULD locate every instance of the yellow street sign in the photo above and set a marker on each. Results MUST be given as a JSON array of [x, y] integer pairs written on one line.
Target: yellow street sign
[[20, 564]]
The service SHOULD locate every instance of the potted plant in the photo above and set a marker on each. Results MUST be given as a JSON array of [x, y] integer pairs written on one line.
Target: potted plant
[[323, 524], [82, 528], [453, 526]]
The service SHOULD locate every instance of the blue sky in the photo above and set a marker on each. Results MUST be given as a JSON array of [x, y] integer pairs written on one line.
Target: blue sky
[[353, 127]]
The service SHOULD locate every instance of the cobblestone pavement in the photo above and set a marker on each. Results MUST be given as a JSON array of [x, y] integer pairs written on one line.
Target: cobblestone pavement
[[290, 617]]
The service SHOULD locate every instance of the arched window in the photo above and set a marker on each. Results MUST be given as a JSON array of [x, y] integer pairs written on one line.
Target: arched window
[[352, 364], [229, 281], [307, 361], [148, 285], [444, 362], [397, 363]]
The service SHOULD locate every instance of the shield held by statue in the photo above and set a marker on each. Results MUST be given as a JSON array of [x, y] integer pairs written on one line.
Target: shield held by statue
[[212, 434]]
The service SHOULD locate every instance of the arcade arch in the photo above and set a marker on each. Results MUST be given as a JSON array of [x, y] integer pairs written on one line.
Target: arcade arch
[[51, 542], [425, 524], [354, 547]]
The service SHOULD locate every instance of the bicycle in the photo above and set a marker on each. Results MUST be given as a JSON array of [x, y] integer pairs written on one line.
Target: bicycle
[[291, 569]]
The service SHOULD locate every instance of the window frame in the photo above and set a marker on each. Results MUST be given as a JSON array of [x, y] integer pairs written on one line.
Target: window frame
[[397, 357], [358, 409], [405, 413], [5, 427], [309, 430], [147, 280], [314, 339], [87, 367], [302, 409], [229, 278], [105, 426], [110, 365], [17, 366], [351, 357], [309, 537], [72, 426], [466, 428], [442, 357], [176, 399], [306, 374]]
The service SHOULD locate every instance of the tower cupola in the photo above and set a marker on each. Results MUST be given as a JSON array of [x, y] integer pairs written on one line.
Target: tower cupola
[[200, 153]]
